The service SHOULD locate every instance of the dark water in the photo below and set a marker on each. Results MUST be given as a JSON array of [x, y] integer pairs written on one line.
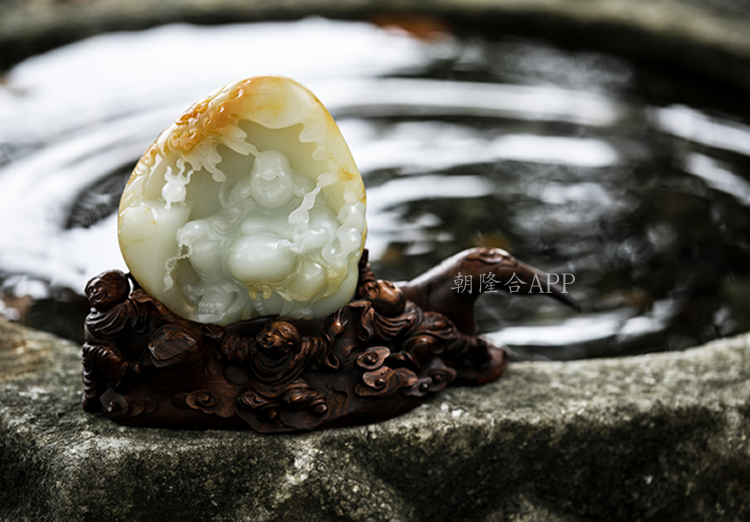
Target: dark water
[[634, 182]]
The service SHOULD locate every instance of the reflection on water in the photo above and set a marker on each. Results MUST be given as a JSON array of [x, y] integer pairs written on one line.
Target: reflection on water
[[463, 140]]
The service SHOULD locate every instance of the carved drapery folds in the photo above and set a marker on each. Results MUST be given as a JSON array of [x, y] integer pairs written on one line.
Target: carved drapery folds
[[377, 357]]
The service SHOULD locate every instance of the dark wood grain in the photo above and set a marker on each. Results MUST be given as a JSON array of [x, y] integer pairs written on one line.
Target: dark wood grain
[[379, 356]]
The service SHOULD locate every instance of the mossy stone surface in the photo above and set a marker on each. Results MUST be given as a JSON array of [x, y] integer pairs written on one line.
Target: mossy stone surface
[[655, 437]]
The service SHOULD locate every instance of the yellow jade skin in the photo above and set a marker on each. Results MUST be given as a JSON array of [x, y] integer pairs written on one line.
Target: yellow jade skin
[[250, 204]]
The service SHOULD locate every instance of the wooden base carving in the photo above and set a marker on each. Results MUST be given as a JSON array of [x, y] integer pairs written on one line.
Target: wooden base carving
[[381, 355]]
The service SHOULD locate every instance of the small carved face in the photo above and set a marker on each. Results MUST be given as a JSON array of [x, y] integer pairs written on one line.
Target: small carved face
[[107, 289], [384, 295], [279, 337], [271, 184]]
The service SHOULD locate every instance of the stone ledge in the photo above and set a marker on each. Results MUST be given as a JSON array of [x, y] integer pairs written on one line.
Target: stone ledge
[[655, 437]]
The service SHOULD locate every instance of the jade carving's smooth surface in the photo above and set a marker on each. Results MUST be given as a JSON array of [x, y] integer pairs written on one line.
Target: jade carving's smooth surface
[[250, 204]]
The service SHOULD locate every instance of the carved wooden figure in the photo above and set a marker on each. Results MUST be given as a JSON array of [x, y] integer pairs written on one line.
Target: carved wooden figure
[[380, 355]]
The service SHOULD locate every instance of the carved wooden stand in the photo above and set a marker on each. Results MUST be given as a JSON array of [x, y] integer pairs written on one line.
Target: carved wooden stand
[[381, 355]]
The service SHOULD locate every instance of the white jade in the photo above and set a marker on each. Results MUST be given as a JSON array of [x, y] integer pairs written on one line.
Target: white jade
[[249, 205]]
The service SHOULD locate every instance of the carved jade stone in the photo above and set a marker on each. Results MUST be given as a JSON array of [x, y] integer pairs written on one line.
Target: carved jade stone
[[249, 205]]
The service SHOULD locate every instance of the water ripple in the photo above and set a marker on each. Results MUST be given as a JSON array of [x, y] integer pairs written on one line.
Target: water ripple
[[462, 141]]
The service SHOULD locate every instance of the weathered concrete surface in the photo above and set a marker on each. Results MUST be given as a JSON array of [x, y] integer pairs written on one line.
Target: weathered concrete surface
[[659, 437], [703, 37]]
